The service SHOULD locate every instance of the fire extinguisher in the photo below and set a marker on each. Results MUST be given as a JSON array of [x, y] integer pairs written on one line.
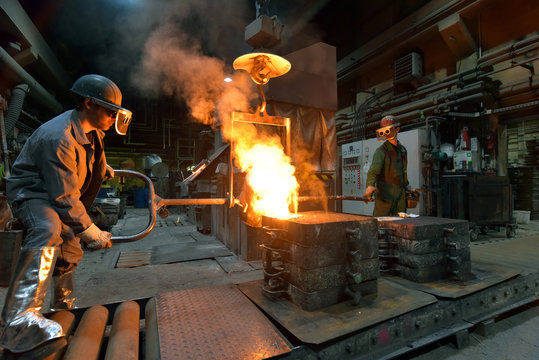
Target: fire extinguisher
[[465, 138]]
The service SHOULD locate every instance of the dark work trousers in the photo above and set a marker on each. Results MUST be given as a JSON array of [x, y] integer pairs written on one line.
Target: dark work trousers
[[44, 228], [390, 207]]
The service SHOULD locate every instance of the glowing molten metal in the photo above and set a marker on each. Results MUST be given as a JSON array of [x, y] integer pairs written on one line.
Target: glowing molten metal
[[271, 179]]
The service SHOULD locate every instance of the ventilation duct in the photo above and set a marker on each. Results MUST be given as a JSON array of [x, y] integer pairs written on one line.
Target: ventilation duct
[[408, 70]]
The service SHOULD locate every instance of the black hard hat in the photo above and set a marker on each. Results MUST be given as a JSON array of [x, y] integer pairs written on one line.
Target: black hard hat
[[104, 92]]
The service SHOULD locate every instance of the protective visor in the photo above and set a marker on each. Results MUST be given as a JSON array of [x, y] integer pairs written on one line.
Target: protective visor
[[386, 133], [123, 116]]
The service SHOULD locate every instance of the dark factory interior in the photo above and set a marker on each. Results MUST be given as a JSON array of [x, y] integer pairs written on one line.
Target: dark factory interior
[[269, 179]]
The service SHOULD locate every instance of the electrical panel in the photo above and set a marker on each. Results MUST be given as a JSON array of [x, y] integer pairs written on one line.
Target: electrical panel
[[351, 156]]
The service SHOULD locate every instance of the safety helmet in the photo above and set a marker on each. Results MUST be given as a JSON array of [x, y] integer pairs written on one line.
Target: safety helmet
[[105, 93], [387, 129]]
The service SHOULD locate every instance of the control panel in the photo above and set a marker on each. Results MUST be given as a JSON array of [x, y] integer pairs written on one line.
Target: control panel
[[351, 169]]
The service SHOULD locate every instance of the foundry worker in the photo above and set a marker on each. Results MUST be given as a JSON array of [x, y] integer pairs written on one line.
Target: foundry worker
[[387, 173], [53, 183]]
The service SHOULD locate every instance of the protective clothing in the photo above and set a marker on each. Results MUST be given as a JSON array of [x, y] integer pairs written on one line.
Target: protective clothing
[[386, 133], [53, 184], [95, 238], [63, 297], [25, 328], [388, 173], [60, 165], [104, 92], [387, 129]]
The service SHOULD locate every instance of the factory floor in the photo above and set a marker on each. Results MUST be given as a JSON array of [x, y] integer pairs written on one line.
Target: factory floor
[[201, 260]]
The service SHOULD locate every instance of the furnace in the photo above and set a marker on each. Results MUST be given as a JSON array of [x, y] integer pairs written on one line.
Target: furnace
[[318, 259]]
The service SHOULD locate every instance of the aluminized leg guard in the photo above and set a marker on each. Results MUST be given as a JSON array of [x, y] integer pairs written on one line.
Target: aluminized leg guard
[[24, 327], [63, 298]]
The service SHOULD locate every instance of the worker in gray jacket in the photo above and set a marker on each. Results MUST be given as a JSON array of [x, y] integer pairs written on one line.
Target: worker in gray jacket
[[53, 183]]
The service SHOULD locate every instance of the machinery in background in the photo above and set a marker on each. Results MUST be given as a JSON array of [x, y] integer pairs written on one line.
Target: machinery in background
[[357, 159]]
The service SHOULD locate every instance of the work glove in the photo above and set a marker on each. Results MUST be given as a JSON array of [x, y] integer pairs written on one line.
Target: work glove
[[369, 191], [95, 238], [109, 173]]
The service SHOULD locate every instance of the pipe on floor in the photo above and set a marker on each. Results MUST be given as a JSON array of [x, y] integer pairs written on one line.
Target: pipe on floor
[[86, 343], [151, 342], [124, 336], [66, 319]]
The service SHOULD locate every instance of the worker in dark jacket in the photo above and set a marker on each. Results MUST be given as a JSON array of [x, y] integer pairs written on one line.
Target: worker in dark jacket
[[53, 184], [387, 173]]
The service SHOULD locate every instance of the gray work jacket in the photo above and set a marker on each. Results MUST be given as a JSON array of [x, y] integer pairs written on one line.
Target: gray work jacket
[[53, 165]]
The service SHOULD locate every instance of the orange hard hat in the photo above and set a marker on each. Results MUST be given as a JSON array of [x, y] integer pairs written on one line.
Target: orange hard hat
[[387, 120]]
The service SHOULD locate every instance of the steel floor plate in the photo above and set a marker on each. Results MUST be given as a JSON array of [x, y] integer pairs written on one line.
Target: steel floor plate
[[317, 327], [172, 253], [216, 322], [519, 254], [483, 275]]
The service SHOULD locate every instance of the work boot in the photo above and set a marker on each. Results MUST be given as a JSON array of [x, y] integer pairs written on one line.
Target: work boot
[[24, 328], [63, 297]]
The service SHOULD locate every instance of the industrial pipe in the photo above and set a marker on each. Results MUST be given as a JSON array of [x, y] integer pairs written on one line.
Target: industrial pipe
[[508, 51], [124, 335], [38, 92], [15, 107], [5, 155], [86, 343], [412, 110], [184, 202], [155, 203], [66, 319], [332, 197]]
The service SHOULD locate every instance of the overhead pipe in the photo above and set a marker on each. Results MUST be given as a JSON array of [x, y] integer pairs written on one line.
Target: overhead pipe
[[444, 98], [504, 51], [499, 55], [38, 92], [5, 155], [425, 89], [520, 86], [437, 98], [512, 66], [504, 110], [524, 85], [431, 87], [373, 120], [14, 109]]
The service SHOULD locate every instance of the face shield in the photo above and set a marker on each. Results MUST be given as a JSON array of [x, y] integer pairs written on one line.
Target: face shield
[[123, 116], [386, 133]]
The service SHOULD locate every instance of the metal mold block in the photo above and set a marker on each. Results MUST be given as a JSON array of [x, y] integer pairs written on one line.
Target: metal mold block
[[440, 258], [433, 273], [334, 253], [317, 228], [331, 276], [425, 227], [431, 245], [311, 301], [318, 258]]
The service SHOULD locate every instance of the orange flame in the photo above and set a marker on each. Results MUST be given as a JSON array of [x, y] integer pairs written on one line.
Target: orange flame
[[270, 176]]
